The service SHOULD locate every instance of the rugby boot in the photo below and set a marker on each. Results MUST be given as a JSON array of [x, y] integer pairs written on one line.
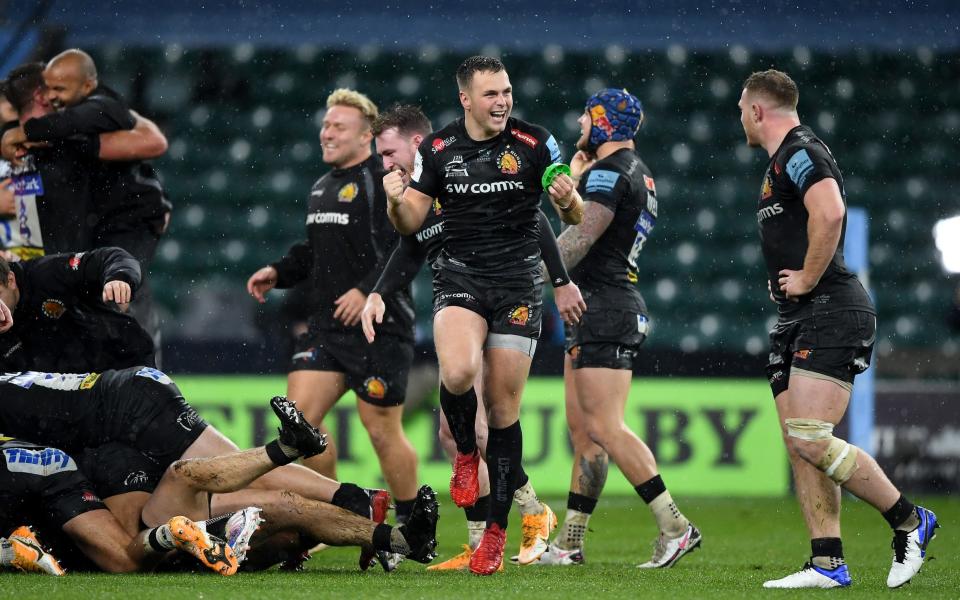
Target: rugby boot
[[29, 556], [487, 559], [210, 550], [379, 505], [535, 535], [465, 480], [295, 431], [812, 576], [667, 551], [420, 530], [910, 548]]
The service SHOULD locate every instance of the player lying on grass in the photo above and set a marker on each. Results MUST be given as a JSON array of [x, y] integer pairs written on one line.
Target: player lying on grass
[[92, 414], [42, 486]]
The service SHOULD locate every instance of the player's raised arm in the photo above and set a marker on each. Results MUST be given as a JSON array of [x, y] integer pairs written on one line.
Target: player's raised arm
[[408, 210]]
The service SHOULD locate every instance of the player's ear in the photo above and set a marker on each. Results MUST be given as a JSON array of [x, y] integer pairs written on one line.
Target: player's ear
[[464, 100], [416, 140]]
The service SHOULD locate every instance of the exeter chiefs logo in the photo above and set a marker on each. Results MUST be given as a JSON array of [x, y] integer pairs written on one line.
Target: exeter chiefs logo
[[437, 210], [188, 419], [508, 162], [767, 190], [53, 308], [348, 192], [135, 478], [519, 315], [376, 388]]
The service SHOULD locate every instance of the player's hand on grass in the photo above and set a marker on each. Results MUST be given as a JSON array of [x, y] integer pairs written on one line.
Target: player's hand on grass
[[117, 291], [6, 317], [262, 282], [569, 302], [393, 186], [349, 307], [796, 283], [372, 312]]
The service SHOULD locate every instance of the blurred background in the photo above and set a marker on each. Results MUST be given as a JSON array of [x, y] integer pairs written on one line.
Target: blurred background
[[239, 89]]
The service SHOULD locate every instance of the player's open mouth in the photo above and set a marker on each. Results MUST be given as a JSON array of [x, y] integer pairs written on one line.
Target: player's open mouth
[[498, 114]]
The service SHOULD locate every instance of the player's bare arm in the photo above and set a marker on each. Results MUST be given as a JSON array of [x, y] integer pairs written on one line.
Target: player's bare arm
[[576, 241], [408, 210], [564, 196], [824, 205], [144, 142], [262, 282], [373, 311]]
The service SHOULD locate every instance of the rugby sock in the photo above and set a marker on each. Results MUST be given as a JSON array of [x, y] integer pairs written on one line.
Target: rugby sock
[[390, 539], [159, 539], [526, 496], [281, 454], [353, 498], [461, 413], [826, 553], [504, 453], [574, 528], [403, 509], [668, 517], [6, 553], [477, 520], [902, 515], [216, 526]]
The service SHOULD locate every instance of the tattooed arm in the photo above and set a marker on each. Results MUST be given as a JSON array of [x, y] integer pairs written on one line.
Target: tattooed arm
[[576, 241]]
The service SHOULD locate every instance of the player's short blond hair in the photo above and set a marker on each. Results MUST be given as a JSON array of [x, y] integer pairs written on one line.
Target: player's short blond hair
[[354, 99]]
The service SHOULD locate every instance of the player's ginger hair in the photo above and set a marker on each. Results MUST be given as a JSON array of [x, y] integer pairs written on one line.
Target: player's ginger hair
[[354, 99], [776, 86]]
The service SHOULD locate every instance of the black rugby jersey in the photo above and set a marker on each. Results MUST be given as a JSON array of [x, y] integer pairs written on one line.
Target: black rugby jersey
[[60, 322], [349, 239], [801, 161], [490, 192], [624, 184]]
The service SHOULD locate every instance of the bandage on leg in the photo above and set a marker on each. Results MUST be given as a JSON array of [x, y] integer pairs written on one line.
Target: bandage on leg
[[839, 462]]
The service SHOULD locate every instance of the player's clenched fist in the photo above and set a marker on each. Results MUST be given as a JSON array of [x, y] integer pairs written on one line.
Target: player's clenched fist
[[393, 186], [262, 282], [117, 291]]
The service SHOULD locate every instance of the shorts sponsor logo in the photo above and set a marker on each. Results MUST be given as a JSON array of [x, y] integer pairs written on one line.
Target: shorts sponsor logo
[[308, 354], [494, 187], [376, 388], [457, 296], [154, 374], [456, 167], [89, 496], [519, 315], [777, 376], [89, 381], [802, 354], [328, 218], [44, 462], [509, 162], [136, 478], [74, 262], [526, 138], [348, 192], [769, 211], [53, 308], [188, 419], [13, 349], [767, 189], [439, 145], [575, 352]]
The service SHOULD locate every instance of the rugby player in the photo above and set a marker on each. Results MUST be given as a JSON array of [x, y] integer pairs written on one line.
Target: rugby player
[[68, 310], [398, 133], [348, 242], [620, 210], [43, 485], [823, 339], [485, 172]]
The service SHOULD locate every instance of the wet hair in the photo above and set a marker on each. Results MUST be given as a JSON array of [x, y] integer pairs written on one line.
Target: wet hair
[[477, 64], [774, 85], [354, 99], [407, 119], [21, 84]]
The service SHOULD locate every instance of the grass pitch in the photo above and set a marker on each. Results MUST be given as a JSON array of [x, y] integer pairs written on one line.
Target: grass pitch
[[745, 543]]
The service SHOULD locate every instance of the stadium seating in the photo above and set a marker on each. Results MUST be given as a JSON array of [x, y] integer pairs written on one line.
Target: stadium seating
[[243, 125]]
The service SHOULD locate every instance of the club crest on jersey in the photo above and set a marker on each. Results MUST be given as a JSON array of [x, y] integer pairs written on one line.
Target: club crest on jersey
[[456, 167], [437, 209], [519, 315], [376, 388], [509, 162], [74, 262], [53, 308], [767, 190], [348, 192], [802, 354], [526, 138]]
